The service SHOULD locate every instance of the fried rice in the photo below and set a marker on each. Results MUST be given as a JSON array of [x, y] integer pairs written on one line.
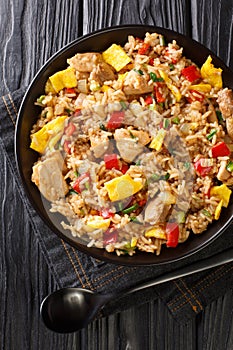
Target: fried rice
[[135, 146]]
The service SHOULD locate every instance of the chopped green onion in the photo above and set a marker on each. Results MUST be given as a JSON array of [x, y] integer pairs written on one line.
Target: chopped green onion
[[165, 177], [187, 165], [134, 219], [172, 67], [229, 166], [154, 77], [206, 212], [181, 217], [40, 99], [132, 135], [72, 192], [155, 177], [166, 123], [138, 162], [176, 120], [67, 110], [161, 104], [76, 173], [87, 185], [162, 41], [123, 105], [139, 71], [211, 134], [219, 116], [102, 127], [130, 209], [120, 206]]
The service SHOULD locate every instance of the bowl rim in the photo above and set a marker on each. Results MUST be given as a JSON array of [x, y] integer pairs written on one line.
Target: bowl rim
[[97, 253]]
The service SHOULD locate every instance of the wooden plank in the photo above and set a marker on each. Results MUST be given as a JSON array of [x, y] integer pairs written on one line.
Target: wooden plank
[[212, 25], [169, 14], [31, 32]]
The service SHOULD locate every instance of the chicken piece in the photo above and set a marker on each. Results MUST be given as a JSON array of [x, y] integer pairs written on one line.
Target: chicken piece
[[102, 72], [47, 175], [128, 147], [135, 83], [85, 62], [142, 136], [225, 101], [156, 211], [223, 174], [100, 142]]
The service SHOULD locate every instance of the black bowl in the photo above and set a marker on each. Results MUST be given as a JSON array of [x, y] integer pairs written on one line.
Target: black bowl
[[25, 157]]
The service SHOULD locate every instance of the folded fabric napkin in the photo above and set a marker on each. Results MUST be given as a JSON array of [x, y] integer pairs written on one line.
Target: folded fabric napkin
[[185, 297]]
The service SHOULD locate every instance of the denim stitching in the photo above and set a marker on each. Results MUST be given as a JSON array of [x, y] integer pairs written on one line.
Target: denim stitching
[[8, 110], [82, 268]]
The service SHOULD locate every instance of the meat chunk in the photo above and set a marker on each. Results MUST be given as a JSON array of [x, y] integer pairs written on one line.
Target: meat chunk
[[102, 72], [85, 62], [47, 175], [156, 211], [136, 83], [99, 142], [225, 101], [128, 147]]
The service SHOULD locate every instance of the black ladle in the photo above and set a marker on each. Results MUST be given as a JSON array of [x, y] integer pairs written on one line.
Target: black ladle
[[71, 309]]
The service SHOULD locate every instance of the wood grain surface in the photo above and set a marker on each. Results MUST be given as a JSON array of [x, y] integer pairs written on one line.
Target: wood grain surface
[[30, 32]]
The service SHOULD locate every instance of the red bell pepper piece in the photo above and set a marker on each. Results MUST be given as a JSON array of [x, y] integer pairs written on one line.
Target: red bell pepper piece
[[124, 168], [158, 95], [66, 147], [111, 161], [78, 186], [77, 112], [143, 49], [151, 61], [142, 202], [70, 129], [116, 120], [201, 170], [110, 237], [70, 91], [191, 73], [106, 213], [148, 100], [172, 231], [220, 150]]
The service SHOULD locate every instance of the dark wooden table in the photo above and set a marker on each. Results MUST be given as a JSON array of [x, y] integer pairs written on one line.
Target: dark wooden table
[[30, 32]]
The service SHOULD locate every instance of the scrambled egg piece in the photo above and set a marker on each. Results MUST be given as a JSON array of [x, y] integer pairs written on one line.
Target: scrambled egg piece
[[41, 138], [218, 210], [156, 232], [122, 187], [116, 57], [222, 192], [211, 74], [63, 79], [175, 91], [201, 87], [157, 141], [98, 222]]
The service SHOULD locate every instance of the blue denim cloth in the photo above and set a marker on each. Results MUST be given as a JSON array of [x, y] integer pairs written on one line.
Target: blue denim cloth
[[185, 297]]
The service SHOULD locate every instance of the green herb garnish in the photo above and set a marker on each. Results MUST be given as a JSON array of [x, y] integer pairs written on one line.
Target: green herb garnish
[[229, 166], [176, 120], [211, 134], [154, 77], [139, 71]]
